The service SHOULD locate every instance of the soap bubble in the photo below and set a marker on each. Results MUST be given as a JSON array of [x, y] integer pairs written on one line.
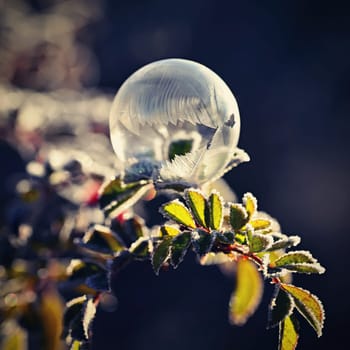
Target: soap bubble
[[179, 116]]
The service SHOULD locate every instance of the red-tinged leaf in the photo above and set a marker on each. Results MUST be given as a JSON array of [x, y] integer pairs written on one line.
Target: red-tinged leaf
[[288, 333], [308, 305], [247, 295]]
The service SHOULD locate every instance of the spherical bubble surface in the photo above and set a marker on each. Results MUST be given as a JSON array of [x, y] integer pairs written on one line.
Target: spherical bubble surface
[[179, 115]]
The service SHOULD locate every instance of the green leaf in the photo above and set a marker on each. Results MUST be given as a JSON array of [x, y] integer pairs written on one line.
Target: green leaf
[[308, 305], [179, 247], [101, 239], [305, 268], [202, 241], [161, 253], [89, 312], [288, 333], [75, 345], [116, 196], [227, 237], [285, 242], [260, 224], [259, 242], [169, 231], [140, 248], [216, 204], [198, 205], [241, 238], [180, 147], [247, 295], [238, 216], [250, 203], [177, 212], [296, 257], [281, 306]]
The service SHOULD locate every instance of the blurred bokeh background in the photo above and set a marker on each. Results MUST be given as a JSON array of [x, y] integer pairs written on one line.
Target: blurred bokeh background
[[288, 65]]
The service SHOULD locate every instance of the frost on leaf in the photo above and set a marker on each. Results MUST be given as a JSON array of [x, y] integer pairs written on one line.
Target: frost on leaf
[[89, 312], [250, 203], [179, 247], [247, 295], [308, 305], [102, 240], [285, 242], [161, 254], [299, 261], [238, 216], [202, 241], [227, 237], [198, 205], [116, 196], [306, 268], [178, 212], [140, 248], [215, 210], [288, 333], [281, 306], [259, 242], [296, 257]]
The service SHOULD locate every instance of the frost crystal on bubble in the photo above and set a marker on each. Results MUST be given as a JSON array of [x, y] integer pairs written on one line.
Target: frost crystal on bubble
[[180, 116]]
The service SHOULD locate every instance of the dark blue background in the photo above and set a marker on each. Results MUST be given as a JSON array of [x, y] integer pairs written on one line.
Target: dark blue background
[[288, 65]]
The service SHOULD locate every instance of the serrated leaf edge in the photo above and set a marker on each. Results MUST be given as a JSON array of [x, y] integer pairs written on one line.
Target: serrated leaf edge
[[318, 326], [305, 253], [221, 200], [248, 196], [174, 218], [273, 303], [193, 208]]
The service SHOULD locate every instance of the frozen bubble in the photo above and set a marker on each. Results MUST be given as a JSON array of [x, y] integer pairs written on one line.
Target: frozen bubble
[[178, 115]]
